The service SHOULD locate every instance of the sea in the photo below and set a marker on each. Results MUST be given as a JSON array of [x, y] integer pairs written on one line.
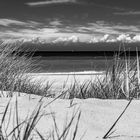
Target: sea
[[68, 69], [64, 64], [71, 64]]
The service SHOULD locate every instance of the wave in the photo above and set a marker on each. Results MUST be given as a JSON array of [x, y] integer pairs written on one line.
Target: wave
[[72, 73]]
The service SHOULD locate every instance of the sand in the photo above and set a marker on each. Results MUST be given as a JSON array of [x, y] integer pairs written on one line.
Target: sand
[[58, 80], [97, 116]]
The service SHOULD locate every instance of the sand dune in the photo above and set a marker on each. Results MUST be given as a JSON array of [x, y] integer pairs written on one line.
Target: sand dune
[[96, 116]]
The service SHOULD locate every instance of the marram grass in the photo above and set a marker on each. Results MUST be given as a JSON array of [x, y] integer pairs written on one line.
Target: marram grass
[[121, 80], [13, 72]]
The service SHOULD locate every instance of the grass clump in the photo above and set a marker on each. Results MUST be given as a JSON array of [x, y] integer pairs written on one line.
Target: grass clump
[[14, 67], [120, 81], [13, 127]]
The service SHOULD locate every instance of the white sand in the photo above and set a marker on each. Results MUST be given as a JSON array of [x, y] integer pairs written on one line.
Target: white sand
[[58, 79], [96, 118]]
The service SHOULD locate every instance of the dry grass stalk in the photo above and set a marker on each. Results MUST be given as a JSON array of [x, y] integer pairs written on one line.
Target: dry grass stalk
[[111, 128], [126, 80], [138, 71]]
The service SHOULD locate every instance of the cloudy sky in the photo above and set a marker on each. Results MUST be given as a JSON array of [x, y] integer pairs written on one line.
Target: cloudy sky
[[82, 20]]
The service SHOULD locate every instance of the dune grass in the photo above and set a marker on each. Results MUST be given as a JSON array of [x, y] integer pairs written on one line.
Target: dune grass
[[121, 81], [13, 128], [14, 67]]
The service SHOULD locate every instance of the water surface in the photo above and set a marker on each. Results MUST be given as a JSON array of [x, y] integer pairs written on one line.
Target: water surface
[[72, 64]]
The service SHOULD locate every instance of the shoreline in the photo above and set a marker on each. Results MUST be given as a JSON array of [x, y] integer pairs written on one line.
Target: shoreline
[[61, 80], [71, 73]]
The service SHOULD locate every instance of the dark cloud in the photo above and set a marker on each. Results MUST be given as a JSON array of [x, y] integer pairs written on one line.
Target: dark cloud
[[71, 16], [128, 13], [46, 2]]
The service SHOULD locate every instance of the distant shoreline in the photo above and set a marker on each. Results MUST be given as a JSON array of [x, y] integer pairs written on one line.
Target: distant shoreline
[[71, 73], [80, 53]]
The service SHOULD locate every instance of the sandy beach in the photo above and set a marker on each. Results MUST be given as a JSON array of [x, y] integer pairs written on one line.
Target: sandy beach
[[97, 116], [58, 80]]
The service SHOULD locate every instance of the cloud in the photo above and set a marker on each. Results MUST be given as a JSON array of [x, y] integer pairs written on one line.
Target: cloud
[[101, 30], [101, 27], [120, 38], [136, 38], [46, 35], [94, 40], [127, 38], [71, 39], [28, 33], [124, 38], [128, 13], [105, 38], [95, 28], [55, 23], [127, 28], [8, 22], [81, 2], [48, 2]]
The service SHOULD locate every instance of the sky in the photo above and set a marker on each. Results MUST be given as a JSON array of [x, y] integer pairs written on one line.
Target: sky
[[70, 20]]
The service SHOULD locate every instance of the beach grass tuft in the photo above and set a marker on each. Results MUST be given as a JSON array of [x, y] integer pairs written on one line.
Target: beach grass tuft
[[120, 81], [14, 69]]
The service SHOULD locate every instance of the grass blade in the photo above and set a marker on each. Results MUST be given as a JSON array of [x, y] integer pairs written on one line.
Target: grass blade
[[109, 131]]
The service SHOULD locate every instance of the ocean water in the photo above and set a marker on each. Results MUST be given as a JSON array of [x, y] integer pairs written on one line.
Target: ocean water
[[71, 64], [64, 64], [60, 70]]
